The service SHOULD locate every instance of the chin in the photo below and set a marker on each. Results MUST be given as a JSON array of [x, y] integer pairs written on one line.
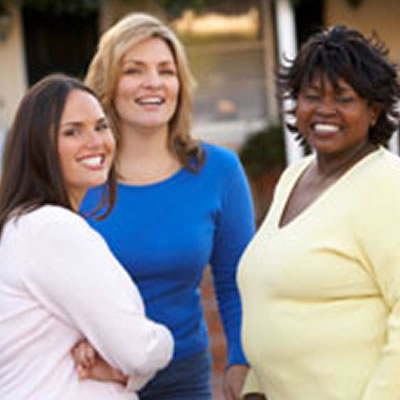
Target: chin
[[96, 182], [327, 148]]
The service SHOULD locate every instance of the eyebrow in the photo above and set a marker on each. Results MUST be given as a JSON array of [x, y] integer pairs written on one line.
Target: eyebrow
[[79, 123], [344, 88], [339, 88], [139, 62]]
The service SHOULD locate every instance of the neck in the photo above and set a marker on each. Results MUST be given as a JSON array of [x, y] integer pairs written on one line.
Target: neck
[[144, 157], [336, 164], [142, 144], [75, 200]]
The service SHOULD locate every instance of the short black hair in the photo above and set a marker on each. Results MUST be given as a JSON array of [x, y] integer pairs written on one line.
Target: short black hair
[[362, 62]]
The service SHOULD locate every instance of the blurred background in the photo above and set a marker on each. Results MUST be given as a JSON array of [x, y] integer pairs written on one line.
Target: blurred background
[[234, 47]]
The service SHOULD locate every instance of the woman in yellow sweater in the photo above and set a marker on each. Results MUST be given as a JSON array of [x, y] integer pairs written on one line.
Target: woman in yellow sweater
[[320, 282]]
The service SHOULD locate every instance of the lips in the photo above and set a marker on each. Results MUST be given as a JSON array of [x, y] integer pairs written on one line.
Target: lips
[[92, 161], [325, 128], [153, 100]]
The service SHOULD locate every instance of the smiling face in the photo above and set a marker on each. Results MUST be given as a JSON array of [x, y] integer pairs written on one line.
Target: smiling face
[[148, 86], [333, 120], [85, 145]]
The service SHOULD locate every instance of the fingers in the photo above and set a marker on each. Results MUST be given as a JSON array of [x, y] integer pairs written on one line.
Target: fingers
[[84, 354], [87, 355], [83, 373], [89, 365], [228, 395], [234, 379]]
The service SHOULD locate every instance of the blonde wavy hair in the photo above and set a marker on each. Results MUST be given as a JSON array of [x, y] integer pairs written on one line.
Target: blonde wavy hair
[[104, 71]]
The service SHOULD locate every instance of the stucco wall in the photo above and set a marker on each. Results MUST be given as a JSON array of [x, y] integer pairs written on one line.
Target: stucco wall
[[383, 16], [12, 71]]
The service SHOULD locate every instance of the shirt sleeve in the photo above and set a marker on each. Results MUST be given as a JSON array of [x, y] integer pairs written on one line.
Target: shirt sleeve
[[234, 229], [379, 240], [77, 278]]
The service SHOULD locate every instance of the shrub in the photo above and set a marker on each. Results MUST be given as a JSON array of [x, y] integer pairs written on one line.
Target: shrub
[[263, 151]]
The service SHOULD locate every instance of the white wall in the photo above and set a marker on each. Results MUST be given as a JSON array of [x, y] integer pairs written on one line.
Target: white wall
[[12, 71]]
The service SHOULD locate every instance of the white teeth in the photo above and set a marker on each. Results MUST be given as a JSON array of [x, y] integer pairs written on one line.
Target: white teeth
[[92, 161], [326, 128], [150, 100]]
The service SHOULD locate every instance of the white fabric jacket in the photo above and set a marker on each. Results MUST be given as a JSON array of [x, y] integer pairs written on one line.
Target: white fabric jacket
[[60, 283]]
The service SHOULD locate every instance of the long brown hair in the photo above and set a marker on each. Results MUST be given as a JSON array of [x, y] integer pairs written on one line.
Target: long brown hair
[[31, 174], [105, 69]]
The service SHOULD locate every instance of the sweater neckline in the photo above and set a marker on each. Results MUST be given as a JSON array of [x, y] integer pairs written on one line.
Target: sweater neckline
[[172, 178], [321, 198]]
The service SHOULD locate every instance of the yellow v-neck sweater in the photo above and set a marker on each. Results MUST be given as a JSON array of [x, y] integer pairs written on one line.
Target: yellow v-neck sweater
[[321, 310]]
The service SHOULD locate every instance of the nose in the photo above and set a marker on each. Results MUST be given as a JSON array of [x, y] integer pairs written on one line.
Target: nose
[[326, 106], [153, 79], [94, 138]]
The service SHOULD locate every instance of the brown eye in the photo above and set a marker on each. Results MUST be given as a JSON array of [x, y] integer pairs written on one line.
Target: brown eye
[[132, 71], [168, 72], [344, 99], [311, 96], [70, 132], [103, 126]]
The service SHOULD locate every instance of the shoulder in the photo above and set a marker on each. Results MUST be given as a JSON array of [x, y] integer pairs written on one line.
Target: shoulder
[[50, 214], [46, 230], [390, 161], [219, 153], [45, 221], [383, 177], [221, 158], [374, 198], [381, 169], [375, 188]]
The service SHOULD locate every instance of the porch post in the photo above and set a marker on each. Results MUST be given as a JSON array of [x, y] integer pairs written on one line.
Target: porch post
[[287, 47]]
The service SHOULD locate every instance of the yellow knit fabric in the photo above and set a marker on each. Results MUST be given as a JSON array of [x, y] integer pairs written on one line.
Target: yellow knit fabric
[[321, 310]]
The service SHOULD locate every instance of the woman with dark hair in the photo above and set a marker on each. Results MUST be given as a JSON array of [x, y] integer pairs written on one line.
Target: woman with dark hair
[[320, 284], [56, 273]]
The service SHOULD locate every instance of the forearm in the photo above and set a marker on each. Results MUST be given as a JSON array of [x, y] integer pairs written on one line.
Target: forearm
[[234, 231], [118, 329], [101, 371]]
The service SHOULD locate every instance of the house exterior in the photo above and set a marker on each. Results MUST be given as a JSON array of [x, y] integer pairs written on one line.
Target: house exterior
[[383, 16], [13, 82], [365, 15]]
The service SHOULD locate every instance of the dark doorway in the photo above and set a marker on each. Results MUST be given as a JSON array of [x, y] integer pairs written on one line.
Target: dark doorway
[[58, 42], [309, 18]]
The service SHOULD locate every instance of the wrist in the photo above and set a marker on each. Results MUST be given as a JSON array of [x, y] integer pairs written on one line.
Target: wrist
[[119, 377]]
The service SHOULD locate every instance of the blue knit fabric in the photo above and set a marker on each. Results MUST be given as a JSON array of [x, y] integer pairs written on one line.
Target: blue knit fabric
[[165, 234]]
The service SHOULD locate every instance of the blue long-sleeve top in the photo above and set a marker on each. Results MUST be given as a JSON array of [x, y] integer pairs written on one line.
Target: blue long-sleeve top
[[165, 234]]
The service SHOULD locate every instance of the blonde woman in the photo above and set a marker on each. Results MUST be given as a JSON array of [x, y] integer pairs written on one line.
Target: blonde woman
[[182, 205]]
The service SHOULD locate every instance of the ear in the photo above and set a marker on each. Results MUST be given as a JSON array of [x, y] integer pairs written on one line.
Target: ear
[[374, 113]]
